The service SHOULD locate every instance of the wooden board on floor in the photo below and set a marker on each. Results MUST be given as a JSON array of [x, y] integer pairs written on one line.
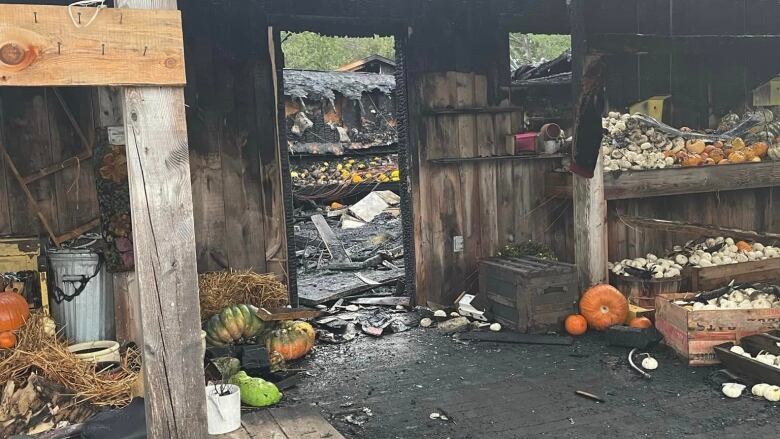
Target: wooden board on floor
[[284, 423], [316, 290], [42, 46]]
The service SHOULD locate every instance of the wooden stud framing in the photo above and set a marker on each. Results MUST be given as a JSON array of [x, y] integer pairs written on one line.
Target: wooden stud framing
[[42, 46], [166, 268]]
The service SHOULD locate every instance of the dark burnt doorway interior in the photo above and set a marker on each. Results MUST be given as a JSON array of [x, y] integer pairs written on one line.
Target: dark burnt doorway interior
[[342, 136]]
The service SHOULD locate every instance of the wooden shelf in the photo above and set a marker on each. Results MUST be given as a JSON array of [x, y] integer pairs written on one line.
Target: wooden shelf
[[451, 160], [471, 110], [644, 43], [674, 181]]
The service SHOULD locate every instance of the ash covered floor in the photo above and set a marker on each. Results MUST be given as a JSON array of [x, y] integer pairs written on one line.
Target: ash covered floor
[[494, 390]]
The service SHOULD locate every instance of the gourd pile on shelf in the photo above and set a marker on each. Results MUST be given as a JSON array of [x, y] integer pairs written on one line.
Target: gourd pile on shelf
[[745, 298], [631, 144], [649, 266], [347, 171], [712, 252]]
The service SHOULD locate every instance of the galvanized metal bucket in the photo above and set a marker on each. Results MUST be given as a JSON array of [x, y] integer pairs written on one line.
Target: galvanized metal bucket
[[82, 295]]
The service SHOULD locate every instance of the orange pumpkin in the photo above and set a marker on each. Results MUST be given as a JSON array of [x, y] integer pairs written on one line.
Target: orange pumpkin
[[575, 324], [761, 149], [640, 322], [7, 340], [603, 306], [744, 246], [717, 155], [695, 146], [14, 311], [292, 340]]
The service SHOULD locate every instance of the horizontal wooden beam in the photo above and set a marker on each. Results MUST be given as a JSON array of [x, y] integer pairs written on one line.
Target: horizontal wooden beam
[[48, 46], [643, 43], [471, 110], [702, 229], [675, 181], [450, 160]]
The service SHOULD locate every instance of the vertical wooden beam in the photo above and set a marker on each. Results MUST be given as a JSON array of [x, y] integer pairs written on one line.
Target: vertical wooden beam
[[107, 107], [590, 228], [165, 259], [590, 206]]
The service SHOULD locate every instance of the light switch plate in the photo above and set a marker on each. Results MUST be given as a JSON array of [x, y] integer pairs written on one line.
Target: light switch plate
[[457, 244]]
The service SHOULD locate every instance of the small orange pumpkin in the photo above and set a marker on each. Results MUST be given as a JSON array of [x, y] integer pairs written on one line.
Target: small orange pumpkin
[[695, 146], [576, 324], [603, 306], [640, 322], [14, 311], [293, 340], [717, 155], [761, 149], [744, 246], [7, 340]]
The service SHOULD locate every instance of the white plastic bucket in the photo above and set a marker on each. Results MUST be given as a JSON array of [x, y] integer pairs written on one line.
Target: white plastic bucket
[[89, 315], [223, 413], [96, 351]]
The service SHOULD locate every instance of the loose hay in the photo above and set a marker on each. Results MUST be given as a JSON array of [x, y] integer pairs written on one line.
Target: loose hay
[[222, 288], [49, 357]]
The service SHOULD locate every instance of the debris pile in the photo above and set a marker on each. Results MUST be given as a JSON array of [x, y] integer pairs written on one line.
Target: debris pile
[[346, 250]]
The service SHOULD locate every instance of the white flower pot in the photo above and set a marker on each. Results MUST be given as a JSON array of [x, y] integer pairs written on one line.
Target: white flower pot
[[223, 413]]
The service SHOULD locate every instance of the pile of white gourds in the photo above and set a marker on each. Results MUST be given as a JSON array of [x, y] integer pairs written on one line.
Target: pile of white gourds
[[728, 254], [748, 298], [628, 144], [698, 256], [660, 267]]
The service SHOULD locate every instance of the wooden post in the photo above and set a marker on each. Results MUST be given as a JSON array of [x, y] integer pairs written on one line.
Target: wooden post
[[165, 258], [590, 205], [590, 228]]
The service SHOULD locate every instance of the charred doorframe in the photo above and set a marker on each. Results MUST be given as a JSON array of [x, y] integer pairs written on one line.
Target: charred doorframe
[[332, 26]]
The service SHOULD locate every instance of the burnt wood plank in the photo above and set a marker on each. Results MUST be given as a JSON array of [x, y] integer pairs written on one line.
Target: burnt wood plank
[[513, 337], [334, 246], [335, 286]]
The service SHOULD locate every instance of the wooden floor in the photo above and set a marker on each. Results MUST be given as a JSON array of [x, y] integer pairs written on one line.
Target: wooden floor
[[284, 423]]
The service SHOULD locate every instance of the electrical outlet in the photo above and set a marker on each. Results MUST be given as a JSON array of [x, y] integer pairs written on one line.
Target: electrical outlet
[[457, 244]]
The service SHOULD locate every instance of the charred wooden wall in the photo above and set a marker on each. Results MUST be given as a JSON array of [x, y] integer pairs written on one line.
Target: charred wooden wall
[[488, 203], [236, 178], [36, 132]]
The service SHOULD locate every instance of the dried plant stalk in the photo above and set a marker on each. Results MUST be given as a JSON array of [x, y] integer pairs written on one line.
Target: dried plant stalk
[[225, 288], [49, 357]]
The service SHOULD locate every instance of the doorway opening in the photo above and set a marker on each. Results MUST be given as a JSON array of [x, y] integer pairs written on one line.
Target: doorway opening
[[342, 138]]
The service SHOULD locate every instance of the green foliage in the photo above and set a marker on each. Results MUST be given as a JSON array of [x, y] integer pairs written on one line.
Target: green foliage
[[532, 48], [311, 51], [528, 248]]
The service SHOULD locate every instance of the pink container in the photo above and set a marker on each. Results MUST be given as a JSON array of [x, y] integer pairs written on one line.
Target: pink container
[[525, 142]]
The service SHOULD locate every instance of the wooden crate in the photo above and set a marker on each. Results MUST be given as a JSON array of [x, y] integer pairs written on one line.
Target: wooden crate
[[708, 278], [528, 294], [694, 334]]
